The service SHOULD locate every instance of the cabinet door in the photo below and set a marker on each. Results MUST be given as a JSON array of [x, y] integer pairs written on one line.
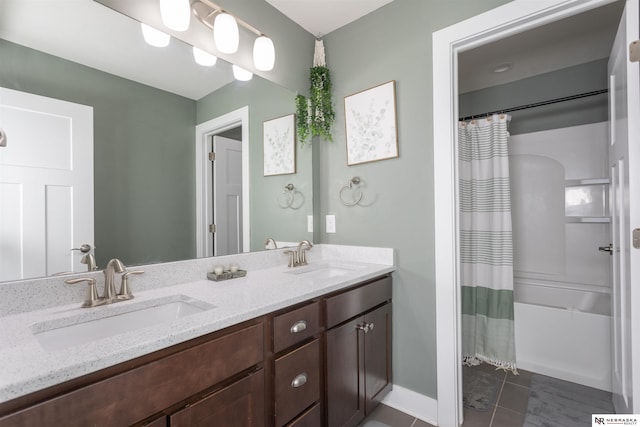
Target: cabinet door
[[377, 354], [345, 374], [239, 405]]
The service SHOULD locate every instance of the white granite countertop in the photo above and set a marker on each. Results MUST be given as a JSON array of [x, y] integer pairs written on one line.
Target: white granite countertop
[[26, 367]]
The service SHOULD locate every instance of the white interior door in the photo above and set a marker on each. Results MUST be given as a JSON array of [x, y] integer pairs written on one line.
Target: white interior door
[[624, 154], [46, 185], [227, 200]]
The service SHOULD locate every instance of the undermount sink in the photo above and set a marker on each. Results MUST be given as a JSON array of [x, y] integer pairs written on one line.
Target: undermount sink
[[134, 317], [324, 271]]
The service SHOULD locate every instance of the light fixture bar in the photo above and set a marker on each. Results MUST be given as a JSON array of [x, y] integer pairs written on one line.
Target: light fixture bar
[[205, 11]]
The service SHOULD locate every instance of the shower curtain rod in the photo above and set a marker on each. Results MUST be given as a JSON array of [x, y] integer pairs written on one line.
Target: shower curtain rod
[[537, 104]]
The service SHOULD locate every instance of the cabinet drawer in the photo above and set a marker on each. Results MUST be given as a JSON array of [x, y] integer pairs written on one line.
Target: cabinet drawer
[[297, 381], [150, 388], [239, 404], [311, 418], [352, 303], [295, 326]]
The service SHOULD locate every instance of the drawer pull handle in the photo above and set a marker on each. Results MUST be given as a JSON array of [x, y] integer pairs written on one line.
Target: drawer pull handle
[[299, 381], [366, 327], [299, 326]]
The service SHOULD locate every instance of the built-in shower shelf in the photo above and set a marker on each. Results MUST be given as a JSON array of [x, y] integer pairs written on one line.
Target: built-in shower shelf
[[588, 219], [587, 181]]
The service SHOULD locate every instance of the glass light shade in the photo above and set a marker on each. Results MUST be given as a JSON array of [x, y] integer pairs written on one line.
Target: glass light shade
[[204, 58], [154, 37], [264, 54], [175, 14], [225, 33], [241, 74]]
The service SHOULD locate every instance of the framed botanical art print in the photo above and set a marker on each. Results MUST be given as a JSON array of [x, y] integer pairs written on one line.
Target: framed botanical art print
[[371, 129], [279, 139]]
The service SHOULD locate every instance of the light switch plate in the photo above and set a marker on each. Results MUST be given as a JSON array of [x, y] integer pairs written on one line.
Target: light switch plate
[[331, 223], [310, 223]]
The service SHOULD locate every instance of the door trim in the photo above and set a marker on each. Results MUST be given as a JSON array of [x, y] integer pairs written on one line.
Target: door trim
[[498, 23], [239, 117]]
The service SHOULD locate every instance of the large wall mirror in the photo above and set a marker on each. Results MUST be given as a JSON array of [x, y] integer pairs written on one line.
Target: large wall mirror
[[146, 103]]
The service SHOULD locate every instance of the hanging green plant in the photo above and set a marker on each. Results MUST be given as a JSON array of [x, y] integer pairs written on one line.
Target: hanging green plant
[[315, 114]]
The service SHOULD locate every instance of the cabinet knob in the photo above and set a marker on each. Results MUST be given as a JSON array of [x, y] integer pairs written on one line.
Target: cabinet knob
[[363, 327], [299, 326], [366, 327], [299, 380]]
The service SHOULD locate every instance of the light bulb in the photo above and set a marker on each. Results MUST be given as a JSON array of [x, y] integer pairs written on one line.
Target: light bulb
[[154, 37], [264, 54], [204, 58], [241, 74], [175, 14], [225, 33]]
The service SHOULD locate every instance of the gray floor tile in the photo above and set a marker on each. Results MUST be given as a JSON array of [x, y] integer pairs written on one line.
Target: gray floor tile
[[473, 418], [523, 379], [385, 415], [507, 418], [420, 423], [514, 397]]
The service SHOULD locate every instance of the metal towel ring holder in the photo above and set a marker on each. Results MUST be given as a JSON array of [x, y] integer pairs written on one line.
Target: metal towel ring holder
[[288, 201], [356, 195]]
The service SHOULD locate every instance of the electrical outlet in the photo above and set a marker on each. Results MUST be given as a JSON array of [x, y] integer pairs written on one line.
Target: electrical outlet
[[310, 223], [331, 223]]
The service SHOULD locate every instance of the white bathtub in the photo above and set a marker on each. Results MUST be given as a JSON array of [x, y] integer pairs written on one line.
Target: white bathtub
[[564, 332]]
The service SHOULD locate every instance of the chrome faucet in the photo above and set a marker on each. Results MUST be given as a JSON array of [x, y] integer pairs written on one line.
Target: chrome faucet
[[302, 251], [270, 240], [110, 296], [113, 266], [298, 257]]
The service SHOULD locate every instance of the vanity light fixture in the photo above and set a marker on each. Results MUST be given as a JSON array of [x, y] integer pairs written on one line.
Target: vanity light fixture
[[241, 74], [175, 14], [264, 54], [204, 58], [154, 37], [225, 33]]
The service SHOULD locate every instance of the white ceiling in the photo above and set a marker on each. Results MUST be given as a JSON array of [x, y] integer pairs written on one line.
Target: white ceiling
[[320, 17], [572, 41]]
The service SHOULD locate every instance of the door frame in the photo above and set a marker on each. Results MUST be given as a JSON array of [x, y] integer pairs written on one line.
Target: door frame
[[204, 190], [501, 22]]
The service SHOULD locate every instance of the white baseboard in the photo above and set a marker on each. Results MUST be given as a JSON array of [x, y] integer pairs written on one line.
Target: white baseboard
[[412, 403]]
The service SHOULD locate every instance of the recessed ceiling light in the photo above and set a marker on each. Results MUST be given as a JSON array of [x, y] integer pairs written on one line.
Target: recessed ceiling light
[[502, 68]]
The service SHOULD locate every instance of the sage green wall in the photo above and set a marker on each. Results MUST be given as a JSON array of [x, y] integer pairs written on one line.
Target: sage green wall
[[267, 101], [565, 82], [143, 151], [394, 43]]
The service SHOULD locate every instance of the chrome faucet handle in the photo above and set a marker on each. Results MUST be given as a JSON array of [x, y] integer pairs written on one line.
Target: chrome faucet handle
[[92, 293], [302, 250], [293, 258], [113, 266], [125, 290]]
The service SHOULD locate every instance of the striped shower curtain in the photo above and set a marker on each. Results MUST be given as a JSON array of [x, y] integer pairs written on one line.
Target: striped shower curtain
[[486, 249]]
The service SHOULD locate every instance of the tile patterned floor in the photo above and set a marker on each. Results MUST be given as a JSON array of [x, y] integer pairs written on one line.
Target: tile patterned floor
[[385, 416], [508, 411]]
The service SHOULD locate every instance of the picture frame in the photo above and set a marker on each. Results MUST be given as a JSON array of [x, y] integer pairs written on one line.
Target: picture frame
[[371, 124], [279, 141]]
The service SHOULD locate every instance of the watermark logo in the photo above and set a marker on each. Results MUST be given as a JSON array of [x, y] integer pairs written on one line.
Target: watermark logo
[[598, 420]]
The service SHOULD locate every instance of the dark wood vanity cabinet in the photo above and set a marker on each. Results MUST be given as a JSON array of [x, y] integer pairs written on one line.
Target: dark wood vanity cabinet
[[159, 383], [358, 352], [325, 362], [297, 367]]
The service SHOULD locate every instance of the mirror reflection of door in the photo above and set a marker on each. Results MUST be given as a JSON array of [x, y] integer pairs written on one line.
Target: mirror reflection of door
[[46, 185], [227, 192]]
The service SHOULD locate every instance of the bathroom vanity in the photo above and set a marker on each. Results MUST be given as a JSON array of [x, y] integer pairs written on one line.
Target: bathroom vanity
[[318, 353]]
